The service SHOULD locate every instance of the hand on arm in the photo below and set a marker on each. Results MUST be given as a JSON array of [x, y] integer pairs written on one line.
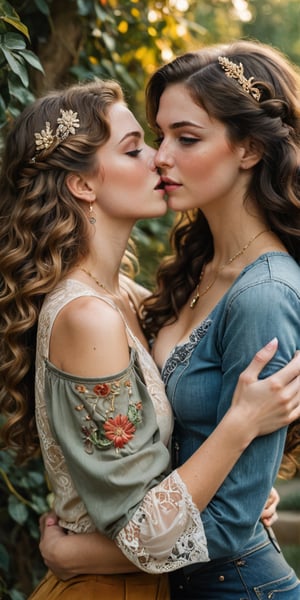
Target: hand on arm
[[277, 403], [258, 407], [68, 555]]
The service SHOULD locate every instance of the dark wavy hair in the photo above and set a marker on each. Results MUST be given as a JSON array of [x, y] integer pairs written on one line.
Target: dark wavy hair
[[44, 233], [273, 122]]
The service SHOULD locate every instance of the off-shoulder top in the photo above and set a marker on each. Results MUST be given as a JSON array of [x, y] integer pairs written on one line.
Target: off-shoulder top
[[105, 447]]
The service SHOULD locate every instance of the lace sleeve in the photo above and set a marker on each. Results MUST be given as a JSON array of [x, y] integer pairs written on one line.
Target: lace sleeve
[[166, 531]]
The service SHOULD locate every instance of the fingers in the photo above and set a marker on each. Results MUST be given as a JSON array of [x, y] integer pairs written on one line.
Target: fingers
[[269, 521], [269, 514], [273, 500], [260, 360], [47, 520]]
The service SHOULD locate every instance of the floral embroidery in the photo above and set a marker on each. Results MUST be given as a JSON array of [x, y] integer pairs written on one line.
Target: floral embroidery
[[80, 388], [182, 352], [119, 430], [102, 389], [116, 430], [92, 439]]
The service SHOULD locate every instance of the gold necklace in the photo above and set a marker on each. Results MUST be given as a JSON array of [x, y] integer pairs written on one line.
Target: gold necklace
[[99, 283], [209, 286], [102, 286]]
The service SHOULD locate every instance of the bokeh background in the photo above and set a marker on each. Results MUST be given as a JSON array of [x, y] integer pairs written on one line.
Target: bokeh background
[[46, 44]]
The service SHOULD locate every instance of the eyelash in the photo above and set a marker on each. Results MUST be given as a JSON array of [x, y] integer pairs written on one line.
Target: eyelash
[[185, 140], [134, 153]]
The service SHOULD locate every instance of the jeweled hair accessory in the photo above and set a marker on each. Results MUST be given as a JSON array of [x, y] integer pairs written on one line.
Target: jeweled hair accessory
[[66, 125], [237, 72]]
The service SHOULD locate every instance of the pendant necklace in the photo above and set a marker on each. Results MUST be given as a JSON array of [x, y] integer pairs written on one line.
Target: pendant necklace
[[209, 286]]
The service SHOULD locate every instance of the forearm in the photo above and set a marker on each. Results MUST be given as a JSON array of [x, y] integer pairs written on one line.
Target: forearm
[[71, 555], [208, 467]]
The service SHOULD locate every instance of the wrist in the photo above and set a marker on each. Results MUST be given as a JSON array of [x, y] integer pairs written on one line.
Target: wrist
[[242, 425]]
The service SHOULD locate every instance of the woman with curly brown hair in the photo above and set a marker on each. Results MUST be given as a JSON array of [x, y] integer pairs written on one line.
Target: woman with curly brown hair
[[227, 120], [76, 175]]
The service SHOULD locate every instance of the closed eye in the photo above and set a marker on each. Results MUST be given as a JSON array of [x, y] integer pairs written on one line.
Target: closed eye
[[187, 140], [134, 153]]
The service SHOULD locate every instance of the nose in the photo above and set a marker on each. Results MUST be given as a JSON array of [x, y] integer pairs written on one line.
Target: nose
[[163, 157], [151, 157]]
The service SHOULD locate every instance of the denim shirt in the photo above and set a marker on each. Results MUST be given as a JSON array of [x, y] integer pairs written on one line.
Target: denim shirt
[[200, 377]]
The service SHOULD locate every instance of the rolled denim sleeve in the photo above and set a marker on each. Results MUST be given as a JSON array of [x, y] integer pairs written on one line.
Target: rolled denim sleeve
[[253, 316]]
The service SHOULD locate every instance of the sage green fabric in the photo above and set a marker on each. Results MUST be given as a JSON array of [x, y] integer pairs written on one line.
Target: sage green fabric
[[111, 481]]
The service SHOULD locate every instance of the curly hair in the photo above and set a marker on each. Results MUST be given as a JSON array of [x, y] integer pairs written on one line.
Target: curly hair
[[273, 122], [44, 233]]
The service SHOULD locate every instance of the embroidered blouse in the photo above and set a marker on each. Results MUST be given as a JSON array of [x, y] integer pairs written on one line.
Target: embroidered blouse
[[105, 447]]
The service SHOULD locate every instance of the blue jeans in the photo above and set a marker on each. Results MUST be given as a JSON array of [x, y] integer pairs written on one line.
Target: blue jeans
[[259, 574]]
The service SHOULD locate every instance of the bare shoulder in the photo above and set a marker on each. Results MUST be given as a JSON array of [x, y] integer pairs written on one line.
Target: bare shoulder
[[89, 339]]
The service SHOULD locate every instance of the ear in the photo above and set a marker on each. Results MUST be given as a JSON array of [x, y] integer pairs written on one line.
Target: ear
[[79, 187], [251, 153]]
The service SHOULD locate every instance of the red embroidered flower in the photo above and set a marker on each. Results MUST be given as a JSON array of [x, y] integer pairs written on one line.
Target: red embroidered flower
[[119, 430], [102, 389]]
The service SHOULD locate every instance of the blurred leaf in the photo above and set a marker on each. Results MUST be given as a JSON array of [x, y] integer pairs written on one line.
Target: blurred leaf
[[17, 67], [43, 7], [16, 90], [17, 510], [12, 41], [4, 557], [16, 595], [32, 59]]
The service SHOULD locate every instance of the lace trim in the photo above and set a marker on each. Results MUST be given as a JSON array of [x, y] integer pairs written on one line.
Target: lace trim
[[182, 352], [166, 531]]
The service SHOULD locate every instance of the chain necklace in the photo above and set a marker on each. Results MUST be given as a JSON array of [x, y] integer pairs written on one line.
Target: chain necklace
[[99, 283], [102, 286], [209, 286]]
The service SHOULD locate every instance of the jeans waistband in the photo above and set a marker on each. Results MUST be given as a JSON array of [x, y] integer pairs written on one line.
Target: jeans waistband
[[223, 561]]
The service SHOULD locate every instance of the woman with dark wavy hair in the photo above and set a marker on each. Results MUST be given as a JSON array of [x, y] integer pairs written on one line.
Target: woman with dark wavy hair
[[227, 120], [76, 175]]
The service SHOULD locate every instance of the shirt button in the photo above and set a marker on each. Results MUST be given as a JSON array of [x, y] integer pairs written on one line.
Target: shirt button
[[221, 578]]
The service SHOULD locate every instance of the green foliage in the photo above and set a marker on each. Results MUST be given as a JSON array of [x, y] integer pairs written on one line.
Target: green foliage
[[23, 498], [277, 23], [15, 60], [292, 556], [125, 40]]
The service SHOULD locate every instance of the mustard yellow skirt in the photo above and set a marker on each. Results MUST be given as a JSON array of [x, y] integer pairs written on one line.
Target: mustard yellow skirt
[[131, 586]]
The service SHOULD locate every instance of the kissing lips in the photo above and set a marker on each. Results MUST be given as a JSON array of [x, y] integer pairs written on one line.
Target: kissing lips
[[170, 185]]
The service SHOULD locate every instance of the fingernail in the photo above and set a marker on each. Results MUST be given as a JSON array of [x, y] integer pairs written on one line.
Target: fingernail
[[272, 342]]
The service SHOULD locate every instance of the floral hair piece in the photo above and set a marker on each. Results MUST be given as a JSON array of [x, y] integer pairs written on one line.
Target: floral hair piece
[[237, 72], [66, 125]]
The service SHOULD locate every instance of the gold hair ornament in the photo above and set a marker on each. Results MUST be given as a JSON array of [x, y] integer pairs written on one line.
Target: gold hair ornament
[[237, 72], [66, 125]]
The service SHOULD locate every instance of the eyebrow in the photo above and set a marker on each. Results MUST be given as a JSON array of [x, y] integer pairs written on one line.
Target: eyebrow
[[136, 134], [179, 124]]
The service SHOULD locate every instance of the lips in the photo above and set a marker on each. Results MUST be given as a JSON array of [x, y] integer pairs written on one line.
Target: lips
[[160, 185], [170, 185]]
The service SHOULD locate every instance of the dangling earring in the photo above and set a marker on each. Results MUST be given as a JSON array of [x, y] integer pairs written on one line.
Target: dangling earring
[[92, 215]]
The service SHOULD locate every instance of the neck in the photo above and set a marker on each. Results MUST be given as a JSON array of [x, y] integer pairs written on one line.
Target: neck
[[231, 232], [104, 259]]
